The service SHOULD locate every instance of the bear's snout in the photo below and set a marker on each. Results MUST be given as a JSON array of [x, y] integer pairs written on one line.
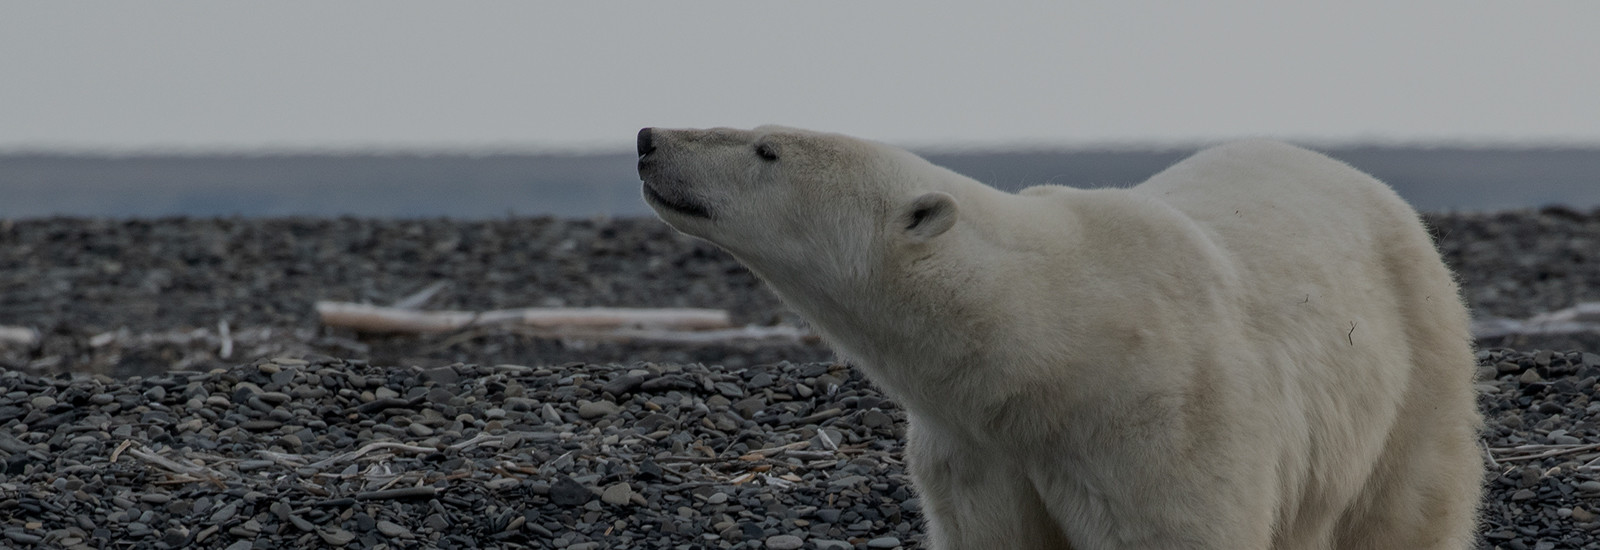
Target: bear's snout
[[664, 187], [645, 143]]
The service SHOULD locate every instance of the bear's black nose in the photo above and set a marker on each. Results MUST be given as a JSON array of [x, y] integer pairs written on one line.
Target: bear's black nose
[[645, 144]]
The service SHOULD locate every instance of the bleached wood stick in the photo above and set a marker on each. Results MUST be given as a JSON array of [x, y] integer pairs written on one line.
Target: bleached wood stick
[[701, 337], [387, 319], [172, 465], [18, 335], [225, 350]]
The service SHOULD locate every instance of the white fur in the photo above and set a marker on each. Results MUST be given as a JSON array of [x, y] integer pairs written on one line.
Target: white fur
[[1257, 348]]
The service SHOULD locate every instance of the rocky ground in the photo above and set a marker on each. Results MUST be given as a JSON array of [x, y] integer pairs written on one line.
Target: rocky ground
[[492, 438]]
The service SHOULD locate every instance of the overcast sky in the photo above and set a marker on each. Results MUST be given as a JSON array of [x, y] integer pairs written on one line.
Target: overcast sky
[[156, 75]]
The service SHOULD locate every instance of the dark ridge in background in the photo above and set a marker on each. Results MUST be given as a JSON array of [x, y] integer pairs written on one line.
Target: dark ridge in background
[[605, 185]]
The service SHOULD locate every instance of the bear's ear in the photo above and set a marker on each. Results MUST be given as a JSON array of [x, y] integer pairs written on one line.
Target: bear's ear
[[928, 216]]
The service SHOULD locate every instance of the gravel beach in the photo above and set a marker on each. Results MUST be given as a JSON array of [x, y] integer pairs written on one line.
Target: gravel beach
[[124, 427]]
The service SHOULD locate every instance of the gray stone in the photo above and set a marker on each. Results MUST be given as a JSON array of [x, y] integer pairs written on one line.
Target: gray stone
[[784, 542], [393, 530], [596, 409], [876, 419], [1530, 376], [443, 376], [566, 492], [336, 536], [883, 542], [730, 390], [623, 385], [617, 494], [760, 380]]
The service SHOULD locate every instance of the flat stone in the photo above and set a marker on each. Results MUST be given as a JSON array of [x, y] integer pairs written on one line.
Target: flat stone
[[337, 537], [784, 542], [596, 409], [393, 530], [876, 419], [260, 425], [566, 492], [23, 537], [443, 376], [623, 385], [884, 542], [617, 494]]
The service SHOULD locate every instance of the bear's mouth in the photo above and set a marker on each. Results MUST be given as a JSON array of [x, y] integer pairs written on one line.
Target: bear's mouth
[[675, 202]]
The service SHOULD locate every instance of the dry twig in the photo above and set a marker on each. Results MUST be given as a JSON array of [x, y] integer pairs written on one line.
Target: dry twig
[[1554, 450], [395, 445]]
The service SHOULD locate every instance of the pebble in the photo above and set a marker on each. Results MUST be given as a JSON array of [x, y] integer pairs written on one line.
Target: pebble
[[393, 530], [337, 537], [597, 409], [661, 458], [21, 537], [784, 542], [884, 542], [566, 492], [617, 494]]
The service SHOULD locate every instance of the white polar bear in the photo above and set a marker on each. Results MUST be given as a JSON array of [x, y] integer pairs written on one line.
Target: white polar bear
[[1257, 348]]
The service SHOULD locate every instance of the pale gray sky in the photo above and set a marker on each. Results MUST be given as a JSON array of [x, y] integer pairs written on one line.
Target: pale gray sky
[[573, 75]]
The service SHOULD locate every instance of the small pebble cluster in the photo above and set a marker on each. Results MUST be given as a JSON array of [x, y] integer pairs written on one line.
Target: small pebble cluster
[[321, 451], [294, 453], [1542, 436]]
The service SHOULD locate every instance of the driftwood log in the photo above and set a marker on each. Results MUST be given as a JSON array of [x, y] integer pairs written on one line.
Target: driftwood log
[[667, 325], [22, 336], [370, 318]]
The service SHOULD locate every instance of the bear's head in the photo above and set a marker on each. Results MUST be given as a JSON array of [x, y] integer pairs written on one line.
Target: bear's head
[[794, 204]]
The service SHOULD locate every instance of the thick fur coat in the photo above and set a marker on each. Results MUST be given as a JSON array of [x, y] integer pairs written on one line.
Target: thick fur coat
[[1258, 348]]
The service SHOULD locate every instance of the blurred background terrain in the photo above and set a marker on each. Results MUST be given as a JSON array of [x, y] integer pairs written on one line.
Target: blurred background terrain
[[1433, 179]]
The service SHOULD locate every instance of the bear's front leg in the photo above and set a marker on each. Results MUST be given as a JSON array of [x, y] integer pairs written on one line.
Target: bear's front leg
[[975, 498]]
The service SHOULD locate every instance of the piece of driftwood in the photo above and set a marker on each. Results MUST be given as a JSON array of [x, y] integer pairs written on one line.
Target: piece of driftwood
[[22, 336], [370, 318], [225, 348], [693, 337], [1581, 318]]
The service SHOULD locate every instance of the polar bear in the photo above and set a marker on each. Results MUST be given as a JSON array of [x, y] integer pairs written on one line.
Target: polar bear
[[1256, 348]]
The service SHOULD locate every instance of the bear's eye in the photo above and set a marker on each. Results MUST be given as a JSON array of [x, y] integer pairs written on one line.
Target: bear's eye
[[766, 152]]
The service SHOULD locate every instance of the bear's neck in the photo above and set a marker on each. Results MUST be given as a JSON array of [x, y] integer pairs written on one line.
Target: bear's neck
[[934, 335]]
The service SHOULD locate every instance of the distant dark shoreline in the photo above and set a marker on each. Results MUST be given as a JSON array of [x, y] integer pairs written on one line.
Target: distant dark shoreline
[[465, 186]]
